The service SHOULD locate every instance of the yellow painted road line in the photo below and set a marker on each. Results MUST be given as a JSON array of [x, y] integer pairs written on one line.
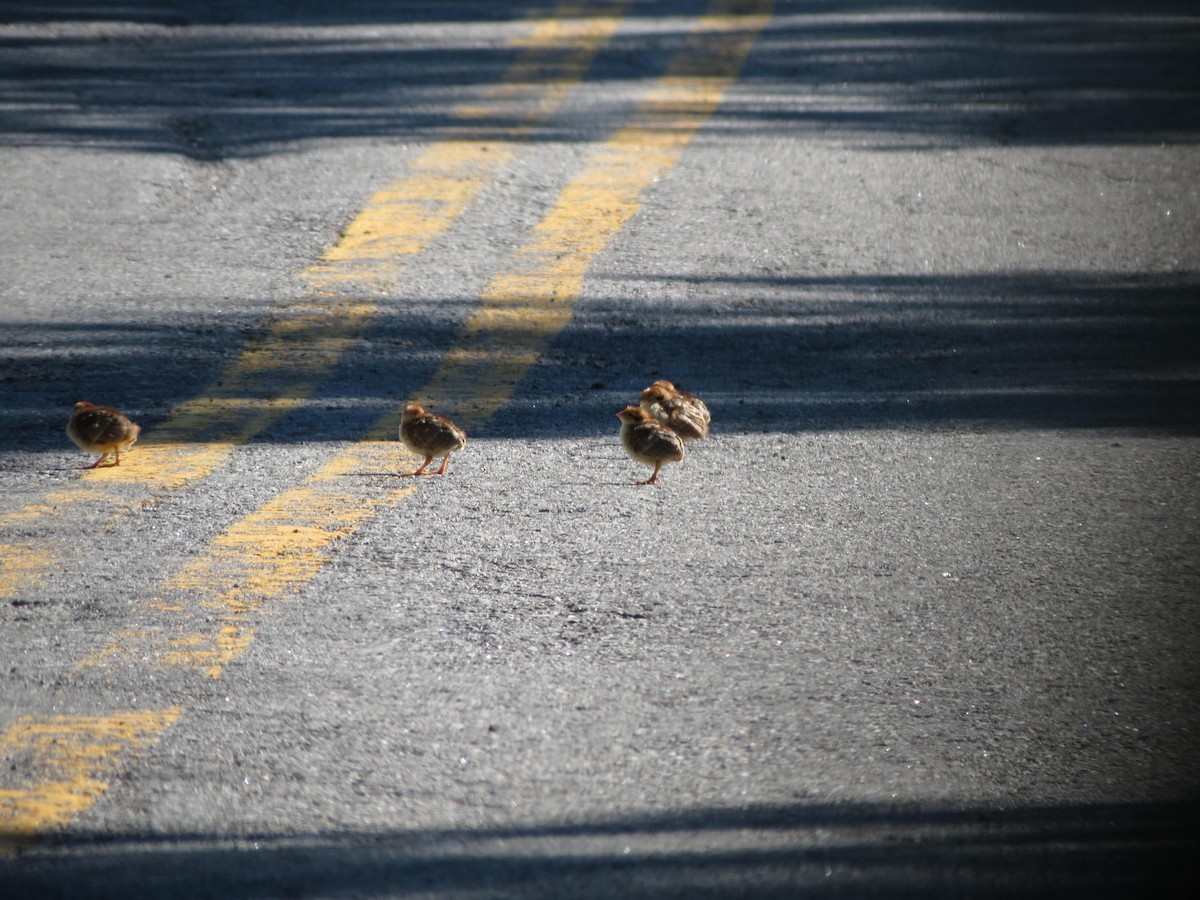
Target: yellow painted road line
[[54, 768], [403, 219], [62, 762], [305, 339], [279, 549], [21, 567], [524, 307], [274, 552], [576, 31], [267, 556]]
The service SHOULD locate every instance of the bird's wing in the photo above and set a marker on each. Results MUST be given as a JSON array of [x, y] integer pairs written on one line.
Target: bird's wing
[[437, 435], [101, 427], [657, 442]]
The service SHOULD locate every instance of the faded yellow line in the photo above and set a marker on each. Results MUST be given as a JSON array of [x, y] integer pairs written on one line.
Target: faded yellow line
[[61, 762], [277, 550], [210, 609], [576, 31], [21, 567], [55, 768], [403, 219], [273, 553], [281, 547], [304, 340], [524, 307]]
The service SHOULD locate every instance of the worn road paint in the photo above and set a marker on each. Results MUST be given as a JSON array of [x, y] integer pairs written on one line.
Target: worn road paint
[[21, 567], [403, 219], [206, 614], [55, 768], [524, 307], [281, 370], [63, 761], [277, 550], [577, 32], [227, 592]]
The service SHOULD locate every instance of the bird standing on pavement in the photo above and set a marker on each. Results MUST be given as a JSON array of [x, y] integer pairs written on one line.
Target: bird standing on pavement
[[683, 413], [429, 435], [103, 430], [647, 441]]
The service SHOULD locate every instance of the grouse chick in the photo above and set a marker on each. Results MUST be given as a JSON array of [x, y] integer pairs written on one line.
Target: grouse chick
[[429, 435], [647, 441], [103, 430], [680, 411]]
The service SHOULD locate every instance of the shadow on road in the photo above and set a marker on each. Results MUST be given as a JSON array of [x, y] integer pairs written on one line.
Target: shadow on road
[[1011, 351], [989, 352], [221, 80], [1086, 851]]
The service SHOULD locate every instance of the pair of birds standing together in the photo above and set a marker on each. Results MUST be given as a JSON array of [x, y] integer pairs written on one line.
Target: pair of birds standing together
[[652, 433], [656, 431]]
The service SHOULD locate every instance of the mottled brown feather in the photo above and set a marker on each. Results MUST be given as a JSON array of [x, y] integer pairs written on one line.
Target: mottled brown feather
[[647, 441], [430, 435], [680, 411], [103, 430]]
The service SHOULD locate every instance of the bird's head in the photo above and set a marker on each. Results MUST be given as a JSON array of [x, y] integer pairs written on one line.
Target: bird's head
[[653, 394]]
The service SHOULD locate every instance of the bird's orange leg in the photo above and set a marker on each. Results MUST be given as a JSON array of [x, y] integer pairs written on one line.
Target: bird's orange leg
[[421, 469], [442, 469], [653, 479], [103, 457]]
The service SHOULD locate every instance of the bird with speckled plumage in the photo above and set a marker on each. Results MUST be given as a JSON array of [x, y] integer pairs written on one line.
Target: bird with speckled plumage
[[428, 434], [103, 430]]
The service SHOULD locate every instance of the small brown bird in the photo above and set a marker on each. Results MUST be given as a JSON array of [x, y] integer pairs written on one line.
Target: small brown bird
[[683, 413], [103, 430], [430, 435], [646, 441]]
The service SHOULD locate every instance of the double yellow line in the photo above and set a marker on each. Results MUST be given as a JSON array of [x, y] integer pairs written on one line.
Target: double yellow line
[[205, 615], [305, 339]]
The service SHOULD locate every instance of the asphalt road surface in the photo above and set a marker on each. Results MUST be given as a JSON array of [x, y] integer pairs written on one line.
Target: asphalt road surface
[[919, 618]]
